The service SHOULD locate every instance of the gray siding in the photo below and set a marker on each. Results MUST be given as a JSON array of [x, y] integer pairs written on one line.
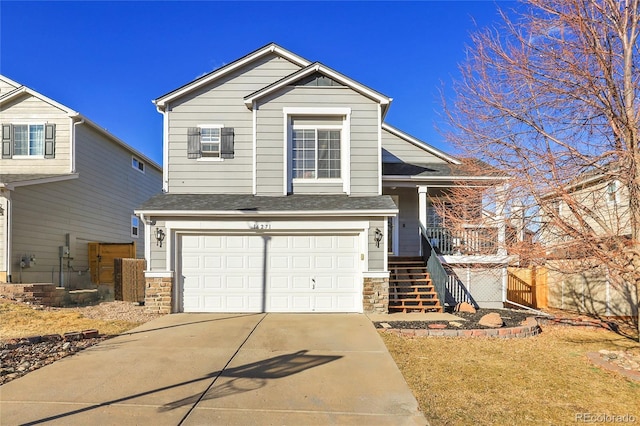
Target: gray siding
[[95, 207], [158, 261], [220, 103], [408, 220], [30, 110], [397, 150], [376, 254], [271, 137]]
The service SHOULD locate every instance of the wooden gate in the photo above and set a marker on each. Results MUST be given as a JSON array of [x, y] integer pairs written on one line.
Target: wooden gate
[[527, 286], [101, 257]]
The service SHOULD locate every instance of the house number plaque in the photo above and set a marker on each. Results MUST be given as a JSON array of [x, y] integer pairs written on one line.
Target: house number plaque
[[261, 226]]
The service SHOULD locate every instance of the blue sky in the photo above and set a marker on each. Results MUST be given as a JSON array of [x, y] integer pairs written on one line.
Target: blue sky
[[108, 60]]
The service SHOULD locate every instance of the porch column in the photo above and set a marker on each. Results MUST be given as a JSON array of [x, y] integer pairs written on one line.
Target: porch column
[[422, 205], [501, 202]]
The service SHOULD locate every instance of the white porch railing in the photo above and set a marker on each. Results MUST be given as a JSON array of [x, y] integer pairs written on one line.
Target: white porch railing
[[471, 240]]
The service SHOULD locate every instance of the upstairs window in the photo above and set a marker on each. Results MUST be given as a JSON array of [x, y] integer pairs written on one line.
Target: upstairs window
[[612, 192], [316, 153], [137, 164], [28, 140], [210, 141]]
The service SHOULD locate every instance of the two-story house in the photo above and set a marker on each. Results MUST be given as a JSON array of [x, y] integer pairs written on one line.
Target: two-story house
[[65, 182], [285, 191], [584, 222]]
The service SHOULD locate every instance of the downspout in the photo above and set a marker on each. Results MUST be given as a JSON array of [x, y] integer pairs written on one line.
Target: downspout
[[165, 147], [8, 254], [72, 158]]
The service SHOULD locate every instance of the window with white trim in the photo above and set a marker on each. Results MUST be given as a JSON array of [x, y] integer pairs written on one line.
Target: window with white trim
[[210, 141], [137, 164], [28, 140], [316, 151], [135, 227], [612, 192]]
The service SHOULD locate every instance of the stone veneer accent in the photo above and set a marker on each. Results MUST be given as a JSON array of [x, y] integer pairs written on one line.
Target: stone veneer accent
[[157, 295], [375, 295], [528, 328], [48, 294]]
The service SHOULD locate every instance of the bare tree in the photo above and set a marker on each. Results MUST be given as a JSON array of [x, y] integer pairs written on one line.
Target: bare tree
[[551, 99]]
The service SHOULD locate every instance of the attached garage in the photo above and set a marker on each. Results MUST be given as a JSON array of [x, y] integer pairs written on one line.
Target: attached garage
[[270, 273]]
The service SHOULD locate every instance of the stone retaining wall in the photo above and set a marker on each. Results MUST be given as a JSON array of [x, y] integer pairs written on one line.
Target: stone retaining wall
[[528, 328], [48, 294]]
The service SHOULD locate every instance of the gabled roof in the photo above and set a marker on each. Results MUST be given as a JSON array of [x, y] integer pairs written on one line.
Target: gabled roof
[[21, 90], [420, 144], [317, 67], [220, 72], [76, 116]]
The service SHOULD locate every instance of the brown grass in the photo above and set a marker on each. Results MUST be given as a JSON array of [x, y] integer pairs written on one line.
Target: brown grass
[[18, 320], [541, 380]]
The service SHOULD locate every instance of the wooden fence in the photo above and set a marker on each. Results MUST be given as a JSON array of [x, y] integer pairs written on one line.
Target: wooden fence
[[129, 279], [528, 286]]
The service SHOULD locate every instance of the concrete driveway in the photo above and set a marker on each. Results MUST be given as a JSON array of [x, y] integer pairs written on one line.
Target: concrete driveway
[[205, 369]]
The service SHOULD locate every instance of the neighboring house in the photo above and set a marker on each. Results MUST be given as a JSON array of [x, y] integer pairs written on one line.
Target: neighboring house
[[596, 206], [285, 191], [64, 182]]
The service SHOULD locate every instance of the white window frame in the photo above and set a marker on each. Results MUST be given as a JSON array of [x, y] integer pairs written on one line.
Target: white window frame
[[136, 164], [135, 226], [345, 145], [317, 127], [210, 157], [28, 156], [612, 196]]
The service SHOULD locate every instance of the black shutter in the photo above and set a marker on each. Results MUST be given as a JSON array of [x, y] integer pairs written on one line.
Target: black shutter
[[49, 140], [193, 143], [7, 140], [226, 142]]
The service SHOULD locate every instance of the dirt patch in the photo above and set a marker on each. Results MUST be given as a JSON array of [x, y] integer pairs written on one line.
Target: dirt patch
[[20, 355]]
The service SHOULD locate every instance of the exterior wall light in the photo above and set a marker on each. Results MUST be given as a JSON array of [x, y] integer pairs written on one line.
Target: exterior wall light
[[159, 236], [378, 237]]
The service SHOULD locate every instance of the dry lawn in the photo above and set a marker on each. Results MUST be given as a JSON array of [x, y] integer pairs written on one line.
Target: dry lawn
[[544, 380], [18, 320]]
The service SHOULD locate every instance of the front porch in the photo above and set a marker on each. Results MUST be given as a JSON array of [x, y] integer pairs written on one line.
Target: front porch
[[463, 264]]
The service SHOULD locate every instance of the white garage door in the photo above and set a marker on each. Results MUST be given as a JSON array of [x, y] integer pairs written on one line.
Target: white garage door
[[277, 273]]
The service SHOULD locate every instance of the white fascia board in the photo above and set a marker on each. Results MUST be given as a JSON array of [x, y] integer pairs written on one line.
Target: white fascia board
[[288, 213], [271, 48], [420, 144], [11, 186], [317, 67], [9, 81], [375, 274], [213, 226]]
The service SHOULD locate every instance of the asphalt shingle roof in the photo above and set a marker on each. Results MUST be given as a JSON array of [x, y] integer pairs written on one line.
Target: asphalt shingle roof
[[23, 177], [257, 204], [438, 170]]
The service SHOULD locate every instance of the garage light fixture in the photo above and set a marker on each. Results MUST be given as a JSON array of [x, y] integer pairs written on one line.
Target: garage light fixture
[[378, 237], [159, 236]]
